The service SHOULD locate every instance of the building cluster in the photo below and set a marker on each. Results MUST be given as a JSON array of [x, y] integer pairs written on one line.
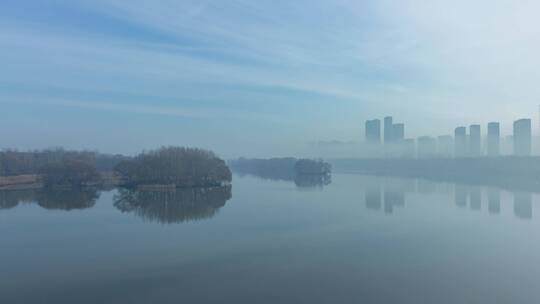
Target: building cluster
[[389, 140]]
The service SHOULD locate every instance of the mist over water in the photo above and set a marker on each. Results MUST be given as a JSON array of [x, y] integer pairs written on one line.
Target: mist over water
[[240, 151], [347, 241]]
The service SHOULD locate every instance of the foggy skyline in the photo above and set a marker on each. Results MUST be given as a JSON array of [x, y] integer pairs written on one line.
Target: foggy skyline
[[259, 78]]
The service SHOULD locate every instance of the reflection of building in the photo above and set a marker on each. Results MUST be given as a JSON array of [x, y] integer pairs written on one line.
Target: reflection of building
[[522, 137], [373, 198], [523, 205], [465, 195], [425, 186], [460, 195], [494, 201], [460, 141], [476, 198], [373, 131], [393, 199]]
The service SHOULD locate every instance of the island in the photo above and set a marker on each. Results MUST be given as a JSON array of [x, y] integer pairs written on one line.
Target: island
[[174, 167], [303, 172], [166, 167]]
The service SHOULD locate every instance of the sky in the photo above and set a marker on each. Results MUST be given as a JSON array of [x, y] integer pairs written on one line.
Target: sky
[[259, 78]]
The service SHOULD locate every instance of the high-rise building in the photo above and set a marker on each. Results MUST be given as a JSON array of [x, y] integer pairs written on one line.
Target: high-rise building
[[373, 131], [475, 139], [427, 146], [522, 137], [460, 142], [493, 139], [507, 144], [388, 129], [409, 148], [445, 145], [398, 132]]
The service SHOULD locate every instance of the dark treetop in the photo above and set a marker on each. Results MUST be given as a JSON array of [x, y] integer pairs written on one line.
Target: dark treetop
[[178, 166]]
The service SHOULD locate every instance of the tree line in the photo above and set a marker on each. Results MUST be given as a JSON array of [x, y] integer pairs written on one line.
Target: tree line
[[178, 166], [13, 162], [286, 168]]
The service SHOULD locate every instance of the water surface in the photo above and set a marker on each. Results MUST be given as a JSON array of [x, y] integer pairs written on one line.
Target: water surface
[[359, 238]]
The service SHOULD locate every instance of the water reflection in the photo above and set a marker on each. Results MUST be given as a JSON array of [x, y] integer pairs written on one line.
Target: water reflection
[[300, 180], [373, 197], [494, 201], [57, 199], [388, 193], [523, 205], [312, 181], [174, 206], [460, 195], [12, 198], [476, 198], [393, 198], [67, 199]]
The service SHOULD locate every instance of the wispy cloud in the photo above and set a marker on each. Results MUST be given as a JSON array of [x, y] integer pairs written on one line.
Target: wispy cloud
[[342, 61]]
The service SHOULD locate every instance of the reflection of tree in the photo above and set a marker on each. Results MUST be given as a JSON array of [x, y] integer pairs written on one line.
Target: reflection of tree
[[304, 172], [312, 180], [62, 199], [67, 199], [175, 206], [12, 198]]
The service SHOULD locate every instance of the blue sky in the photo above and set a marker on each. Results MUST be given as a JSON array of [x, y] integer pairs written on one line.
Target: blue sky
[[258, 78]]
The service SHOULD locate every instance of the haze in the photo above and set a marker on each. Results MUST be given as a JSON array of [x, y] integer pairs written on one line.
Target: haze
[[259, 78]]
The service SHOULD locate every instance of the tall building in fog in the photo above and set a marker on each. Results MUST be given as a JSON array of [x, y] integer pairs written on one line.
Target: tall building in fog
[[445, 145], [398, 132], [460, 142], [409, 148], [475, 140], [373, 131], [388, 129], [522, 137], [427, 147], [493, 139]]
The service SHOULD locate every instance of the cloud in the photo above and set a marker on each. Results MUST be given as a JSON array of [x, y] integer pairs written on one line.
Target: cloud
[[434, 64]]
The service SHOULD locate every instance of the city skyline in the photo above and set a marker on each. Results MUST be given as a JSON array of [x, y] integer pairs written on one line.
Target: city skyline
[[473, 143], [223, 75]]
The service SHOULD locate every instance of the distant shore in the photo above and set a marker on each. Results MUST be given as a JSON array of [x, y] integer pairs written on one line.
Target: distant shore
[[519, 173], [162, 168], [34, 181]]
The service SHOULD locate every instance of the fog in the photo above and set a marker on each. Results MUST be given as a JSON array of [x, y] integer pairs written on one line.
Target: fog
[[259, 79]]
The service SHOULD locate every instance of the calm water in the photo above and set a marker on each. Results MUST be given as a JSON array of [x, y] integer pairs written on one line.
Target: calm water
[[372, 239]]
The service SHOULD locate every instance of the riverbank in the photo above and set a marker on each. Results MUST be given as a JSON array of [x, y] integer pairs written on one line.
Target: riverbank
[[522, 173], [20, 182], [34, 181]]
